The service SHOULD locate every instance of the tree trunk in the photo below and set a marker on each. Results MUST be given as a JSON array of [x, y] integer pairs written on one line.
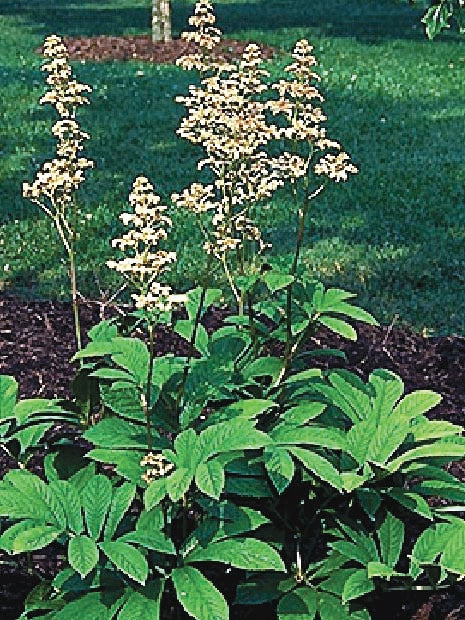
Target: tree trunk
[[161, 20]]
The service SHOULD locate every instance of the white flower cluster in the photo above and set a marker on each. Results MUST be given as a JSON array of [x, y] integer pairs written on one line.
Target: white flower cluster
[[304, 117], [227, 116], [159, 467], [143, 268], [205, 35], [56, 181]]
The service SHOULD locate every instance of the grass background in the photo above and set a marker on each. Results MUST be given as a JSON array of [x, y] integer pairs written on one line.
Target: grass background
[[395, 234]]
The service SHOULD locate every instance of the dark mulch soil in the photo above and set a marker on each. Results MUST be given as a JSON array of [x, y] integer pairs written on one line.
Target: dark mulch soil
[[36, 343], [141, 47]]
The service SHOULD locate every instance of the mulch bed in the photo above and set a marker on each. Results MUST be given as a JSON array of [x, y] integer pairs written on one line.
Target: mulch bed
[[36, 343], [141, 47]]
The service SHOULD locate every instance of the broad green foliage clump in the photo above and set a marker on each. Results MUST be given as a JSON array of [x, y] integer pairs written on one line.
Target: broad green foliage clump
[[237, 475]]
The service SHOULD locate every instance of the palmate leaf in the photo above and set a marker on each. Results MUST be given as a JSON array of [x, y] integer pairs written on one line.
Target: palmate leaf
[[127, 462], [198, 595], [300, 604], [8, 396], [247, 553], [210, 478], [71, 502], [324, 437], [391, 539], [82, 554], [411, 501], [236, 434], [121, 501], [154, 540], [31, 497], [444, 540], [143, 604], [357, 585], [262, 588], [280, 467], [123, 398], [132, 355], [89, 607], [439, 449], [117, 433], [35, 537], [178, 483], [319, 466], [127, 559], [416, 403], [338, 326], [388, 389], [9, 536], [155, 492], [96, 499]]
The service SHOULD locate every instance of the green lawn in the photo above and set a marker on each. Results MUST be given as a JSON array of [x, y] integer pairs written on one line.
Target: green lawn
[[395, 234]]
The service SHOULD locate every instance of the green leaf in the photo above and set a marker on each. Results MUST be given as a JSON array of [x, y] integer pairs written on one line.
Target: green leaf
[[71, 502], [353, 312], [235, 434], [9, 536], [370, 500], [391, 539], [210, 478], [96, 349], [438, 449], [35, 498], [178, 483], [31, 435], [24, 409], [124, 399], [378, 569], [330, 608], [103, 331], [188, 450], [36, 537], [87, 607], [143, 604], [82, 554], [127, 462], [357, 585], [301, 414], [133, 355], [247, 553], [8, 396], [319, 466], [112, 374], [154, 540], [127, 559], [117, 433], [339, 327], [249, 408], [325, 437], [280, 467], [247, 487], [416, 404], [198, 596], [276, 281], [186, 329], [120, 503], [300, 604], [412, 501], [96, 500], [263, 367], [155, 492]]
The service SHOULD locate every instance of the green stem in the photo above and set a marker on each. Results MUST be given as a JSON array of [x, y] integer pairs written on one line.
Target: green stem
[[148, 396], [193, 338]]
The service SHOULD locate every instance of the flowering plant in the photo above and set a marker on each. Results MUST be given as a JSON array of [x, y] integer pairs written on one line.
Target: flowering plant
[[233, 476], [57, 181]]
